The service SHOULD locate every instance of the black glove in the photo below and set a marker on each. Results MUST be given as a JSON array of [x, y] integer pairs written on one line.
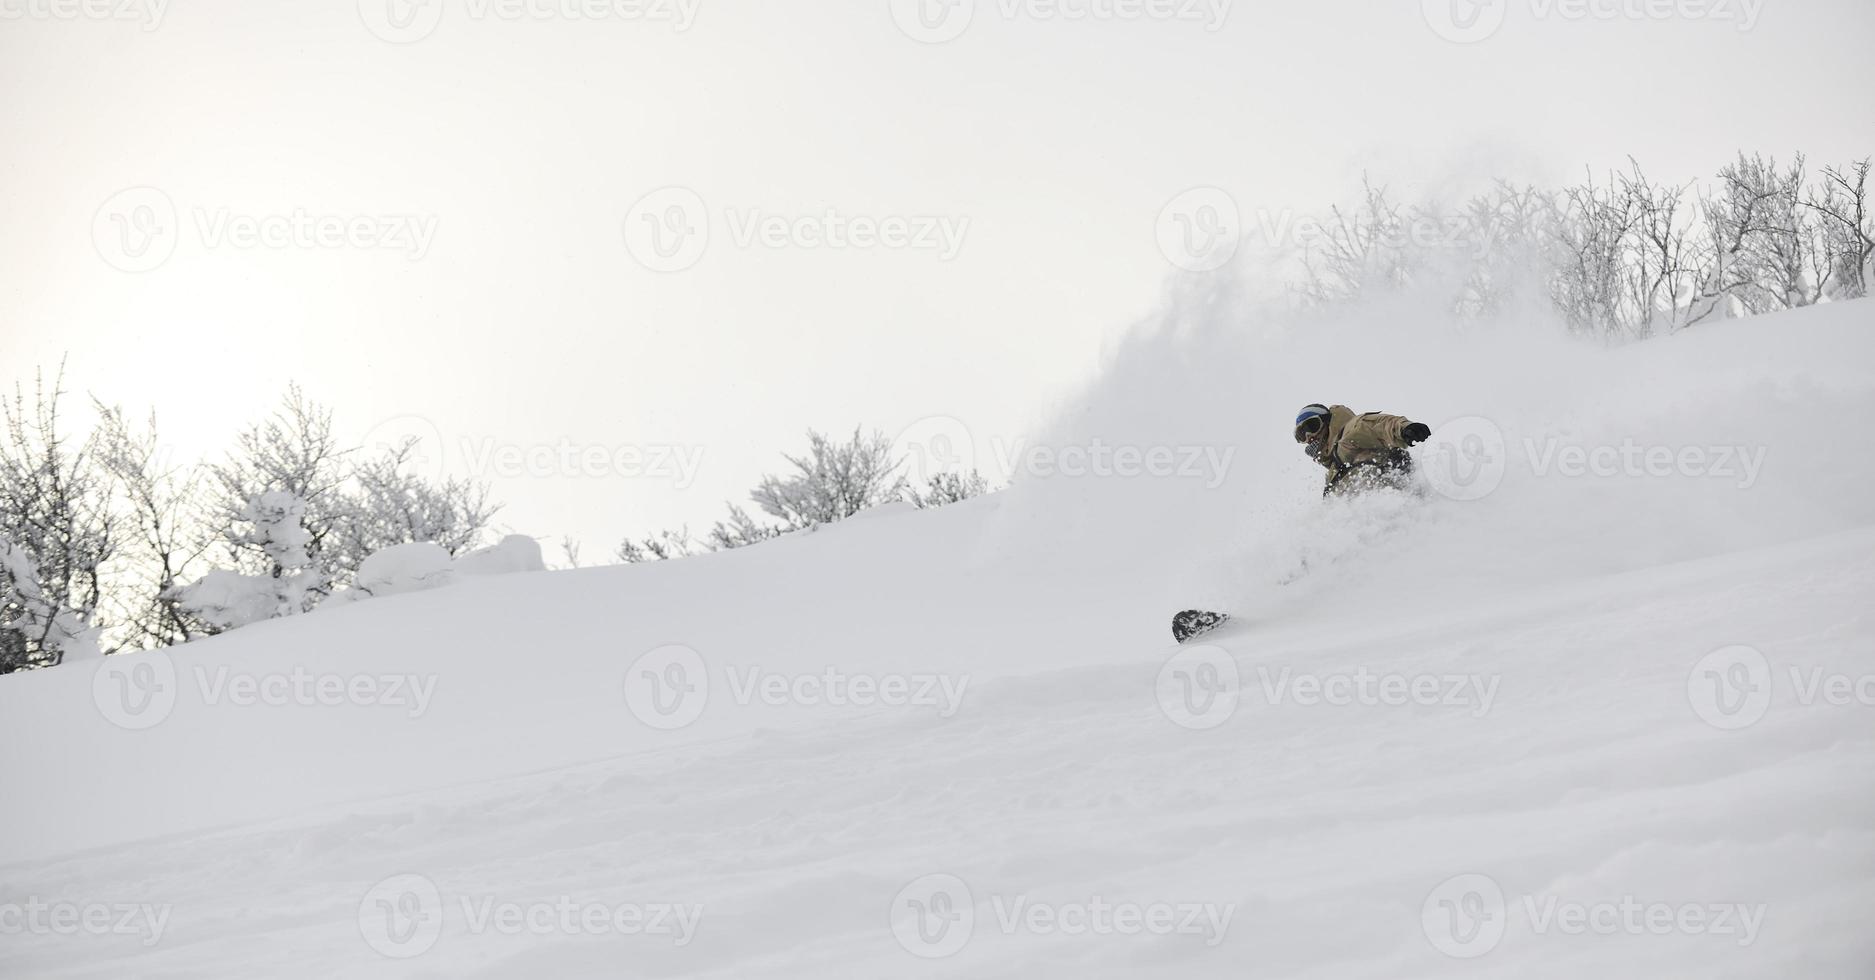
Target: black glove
[[1416, 433]]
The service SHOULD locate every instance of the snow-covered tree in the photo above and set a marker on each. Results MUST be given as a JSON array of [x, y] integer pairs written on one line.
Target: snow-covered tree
[[36, 630], [59, 530], [292, 452], [350, 509]]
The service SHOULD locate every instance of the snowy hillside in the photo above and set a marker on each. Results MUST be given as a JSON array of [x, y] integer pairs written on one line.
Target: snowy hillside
[[1603, 705]]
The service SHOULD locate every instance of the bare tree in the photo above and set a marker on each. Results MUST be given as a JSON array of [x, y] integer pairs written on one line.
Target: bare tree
[[382, 504], [1362, 249], [833, 481], [1594, 234], [947, 488], [662, 546], [165, 533], [1846, 229], [1512, 230]]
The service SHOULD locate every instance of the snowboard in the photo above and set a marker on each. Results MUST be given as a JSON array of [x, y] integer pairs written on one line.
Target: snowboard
[[1196, 622]]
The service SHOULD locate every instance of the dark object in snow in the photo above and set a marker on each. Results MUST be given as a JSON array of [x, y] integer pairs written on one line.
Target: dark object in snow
[[1193, 622]]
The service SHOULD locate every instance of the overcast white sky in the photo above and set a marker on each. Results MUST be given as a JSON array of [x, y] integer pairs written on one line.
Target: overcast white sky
[[500, 159]]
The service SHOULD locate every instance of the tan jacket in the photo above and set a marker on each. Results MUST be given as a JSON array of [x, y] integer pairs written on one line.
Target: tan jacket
[[1352, 440]]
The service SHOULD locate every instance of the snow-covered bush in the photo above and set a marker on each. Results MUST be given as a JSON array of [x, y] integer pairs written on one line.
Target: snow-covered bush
[[276, 528], [513, 553], [403, 568], [424, 565]]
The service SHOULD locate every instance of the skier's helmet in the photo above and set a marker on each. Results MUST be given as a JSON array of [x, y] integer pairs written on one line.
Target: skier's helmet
[[1311, 421]]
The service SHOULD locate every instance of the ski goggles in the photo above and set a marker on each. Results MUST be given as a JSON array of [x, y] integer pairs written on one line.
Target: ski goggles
[[1311, 422]]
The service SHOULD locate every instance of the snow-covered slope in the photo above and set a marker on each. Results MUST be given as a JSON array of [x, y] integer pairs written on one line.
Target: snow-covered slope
[[1612, 725]]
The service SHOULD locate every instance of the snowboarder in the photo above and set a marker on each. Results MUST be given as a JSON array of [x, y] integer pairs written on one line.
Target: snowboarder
[[1360, 452]]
